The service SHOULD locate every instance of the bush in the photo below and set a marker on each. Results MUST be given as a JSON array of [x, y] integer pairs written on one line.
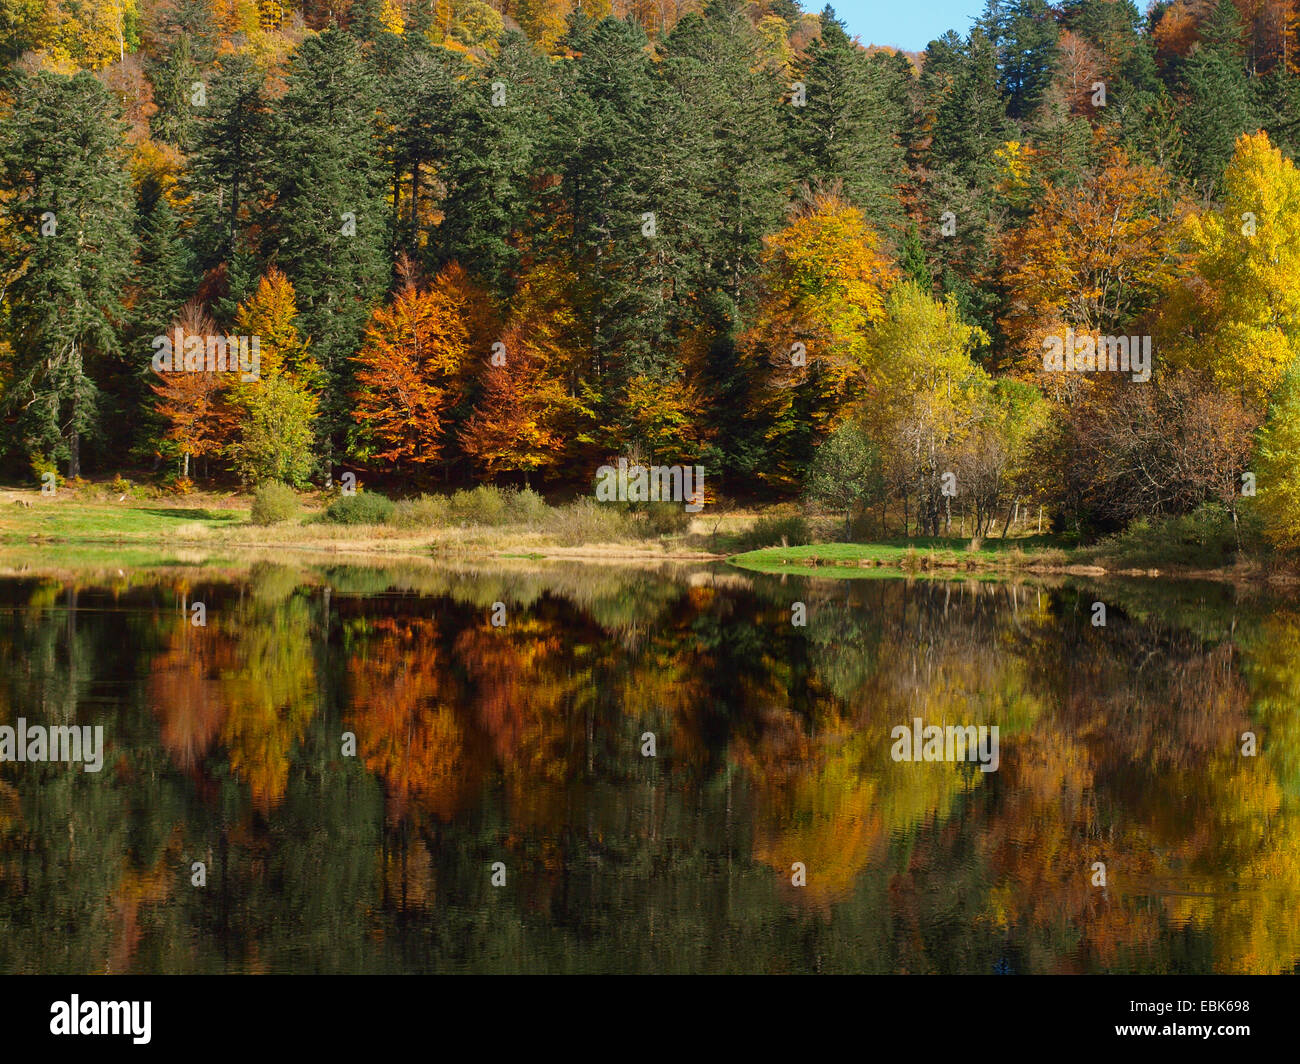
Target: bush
[[484, 505], [363, 508], [1203, 538], [776, 532], [274, 502], [665, 518], [587, 521], [42, 465], [527, 507], [428, 511]]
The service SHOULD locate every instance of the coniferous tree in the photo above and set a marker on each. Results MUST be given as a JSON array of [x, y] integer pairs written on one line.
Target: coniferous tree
[[66, 256], [328, 227], [163, 283], [174, 94], [228, 170], [1216, 106], [1024, 36], [850, 127], [610, 197], [420, 91], [499, 129]]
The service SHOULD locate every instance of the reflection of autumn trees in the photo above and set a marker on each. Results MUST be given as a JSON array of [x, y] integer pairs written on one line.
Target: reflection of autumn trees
[[1142, 769], [269, 690], [185, 689], [521, 743], [828, 792], [407, 712], [532, 691]]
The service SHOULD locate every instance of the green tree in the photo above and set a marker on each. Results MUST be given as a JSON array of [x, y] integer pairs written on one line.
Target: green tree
[[499, 135], [845, 472], [1277, 466], [1216, 105], [232, 150], [849, 130], [328, 226], [64, 257], [275, 439], [1024, 35]]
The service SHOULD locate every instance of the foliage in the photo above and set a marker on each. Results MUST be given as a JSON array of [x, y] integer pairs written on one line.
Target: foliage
[[273, 502], [363, 508]]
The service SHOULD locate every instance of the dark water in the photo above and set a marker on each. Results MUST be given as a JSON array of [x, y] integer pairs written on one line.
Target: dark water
[[522, 744]]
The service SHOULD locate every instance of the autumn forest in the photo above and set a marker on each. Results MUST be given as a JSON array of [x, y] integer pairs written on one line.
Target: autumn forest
[[482, 245]]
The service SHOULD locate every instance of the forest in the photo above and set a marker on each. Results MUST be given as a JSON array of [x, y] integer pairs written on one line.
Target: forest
[[1052, 265]]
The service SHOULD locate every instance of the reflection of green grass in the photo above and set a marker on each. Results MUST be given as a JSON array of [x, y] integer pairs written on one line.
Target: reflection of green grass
[[924, 555]]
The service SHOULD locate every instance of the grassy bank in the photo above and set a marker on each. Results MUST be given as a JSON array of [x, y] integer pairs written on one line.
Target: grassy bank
[[1144, 553], [108, 522], [1032, 553], [478, 523]]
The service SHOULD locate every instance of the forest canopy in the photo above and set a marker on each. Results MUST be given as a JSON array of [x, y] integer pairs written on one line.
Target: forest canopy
[[513, 241]]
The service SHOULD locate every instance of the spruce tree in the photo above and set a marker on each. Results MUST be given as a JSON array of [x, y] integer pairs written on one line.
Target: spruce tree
[[228, 172], [500, 125], [1024, 37]]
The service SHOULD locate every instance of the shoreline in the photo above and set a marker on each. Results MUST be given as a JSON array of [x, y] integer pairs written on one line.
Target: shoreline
[[103, 530]]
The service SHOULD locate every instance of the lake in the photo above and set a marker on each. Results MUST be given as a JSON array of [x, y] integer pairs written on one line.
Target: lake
[[541, 767]]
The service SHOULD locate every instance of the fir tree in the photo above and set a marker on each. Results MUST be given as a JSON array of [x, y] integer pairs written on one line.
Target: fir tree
[[67, 254]]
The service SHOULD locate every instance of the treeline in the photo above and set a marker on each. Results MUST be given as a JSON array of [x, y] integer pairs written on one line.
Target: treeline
[[728, 236]]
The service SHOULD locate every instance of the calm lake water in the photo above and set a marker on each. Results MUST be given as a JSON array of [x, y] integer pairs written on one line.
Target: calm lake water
[[520, 746]]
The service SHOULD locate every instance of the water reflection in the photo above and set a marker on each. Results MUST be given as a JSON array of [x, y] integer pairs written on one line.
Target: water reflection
[[228, 744]]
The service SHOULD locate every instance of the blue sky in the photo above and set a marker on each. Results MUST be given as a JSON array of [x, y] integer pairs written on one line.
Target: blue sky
[[906, 24]]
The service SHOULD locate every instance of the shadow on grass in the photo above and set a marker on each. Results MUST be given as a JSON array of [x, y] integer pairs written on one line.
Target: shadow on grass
[[960, 543], [195, 514]]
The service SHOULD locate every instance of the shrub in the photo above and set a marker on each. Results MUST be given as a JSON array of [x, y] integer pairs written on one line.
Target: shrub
[[363, 508], [527, 507], [274, 502], [586, 521], [776, 532], [42, 465], [1205, 537], [484, 505], [665, 518], [428, 511]]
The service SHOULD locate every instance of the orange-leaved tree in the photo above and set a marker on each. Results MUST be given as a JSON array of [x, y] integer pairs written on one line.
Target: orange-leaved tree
[[194, 405], [409, 373], [527, 411]]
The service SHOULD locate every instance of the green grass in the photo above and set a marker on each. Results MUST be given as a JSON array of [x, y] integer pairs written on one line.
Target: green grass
[[925, 553], [86, 521]]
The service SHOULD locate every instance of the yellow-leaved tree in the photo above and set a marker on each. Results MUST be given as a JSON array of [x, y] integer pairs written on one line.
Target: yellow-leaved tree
[[277, 410], [821, 290], [1236, 313]]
